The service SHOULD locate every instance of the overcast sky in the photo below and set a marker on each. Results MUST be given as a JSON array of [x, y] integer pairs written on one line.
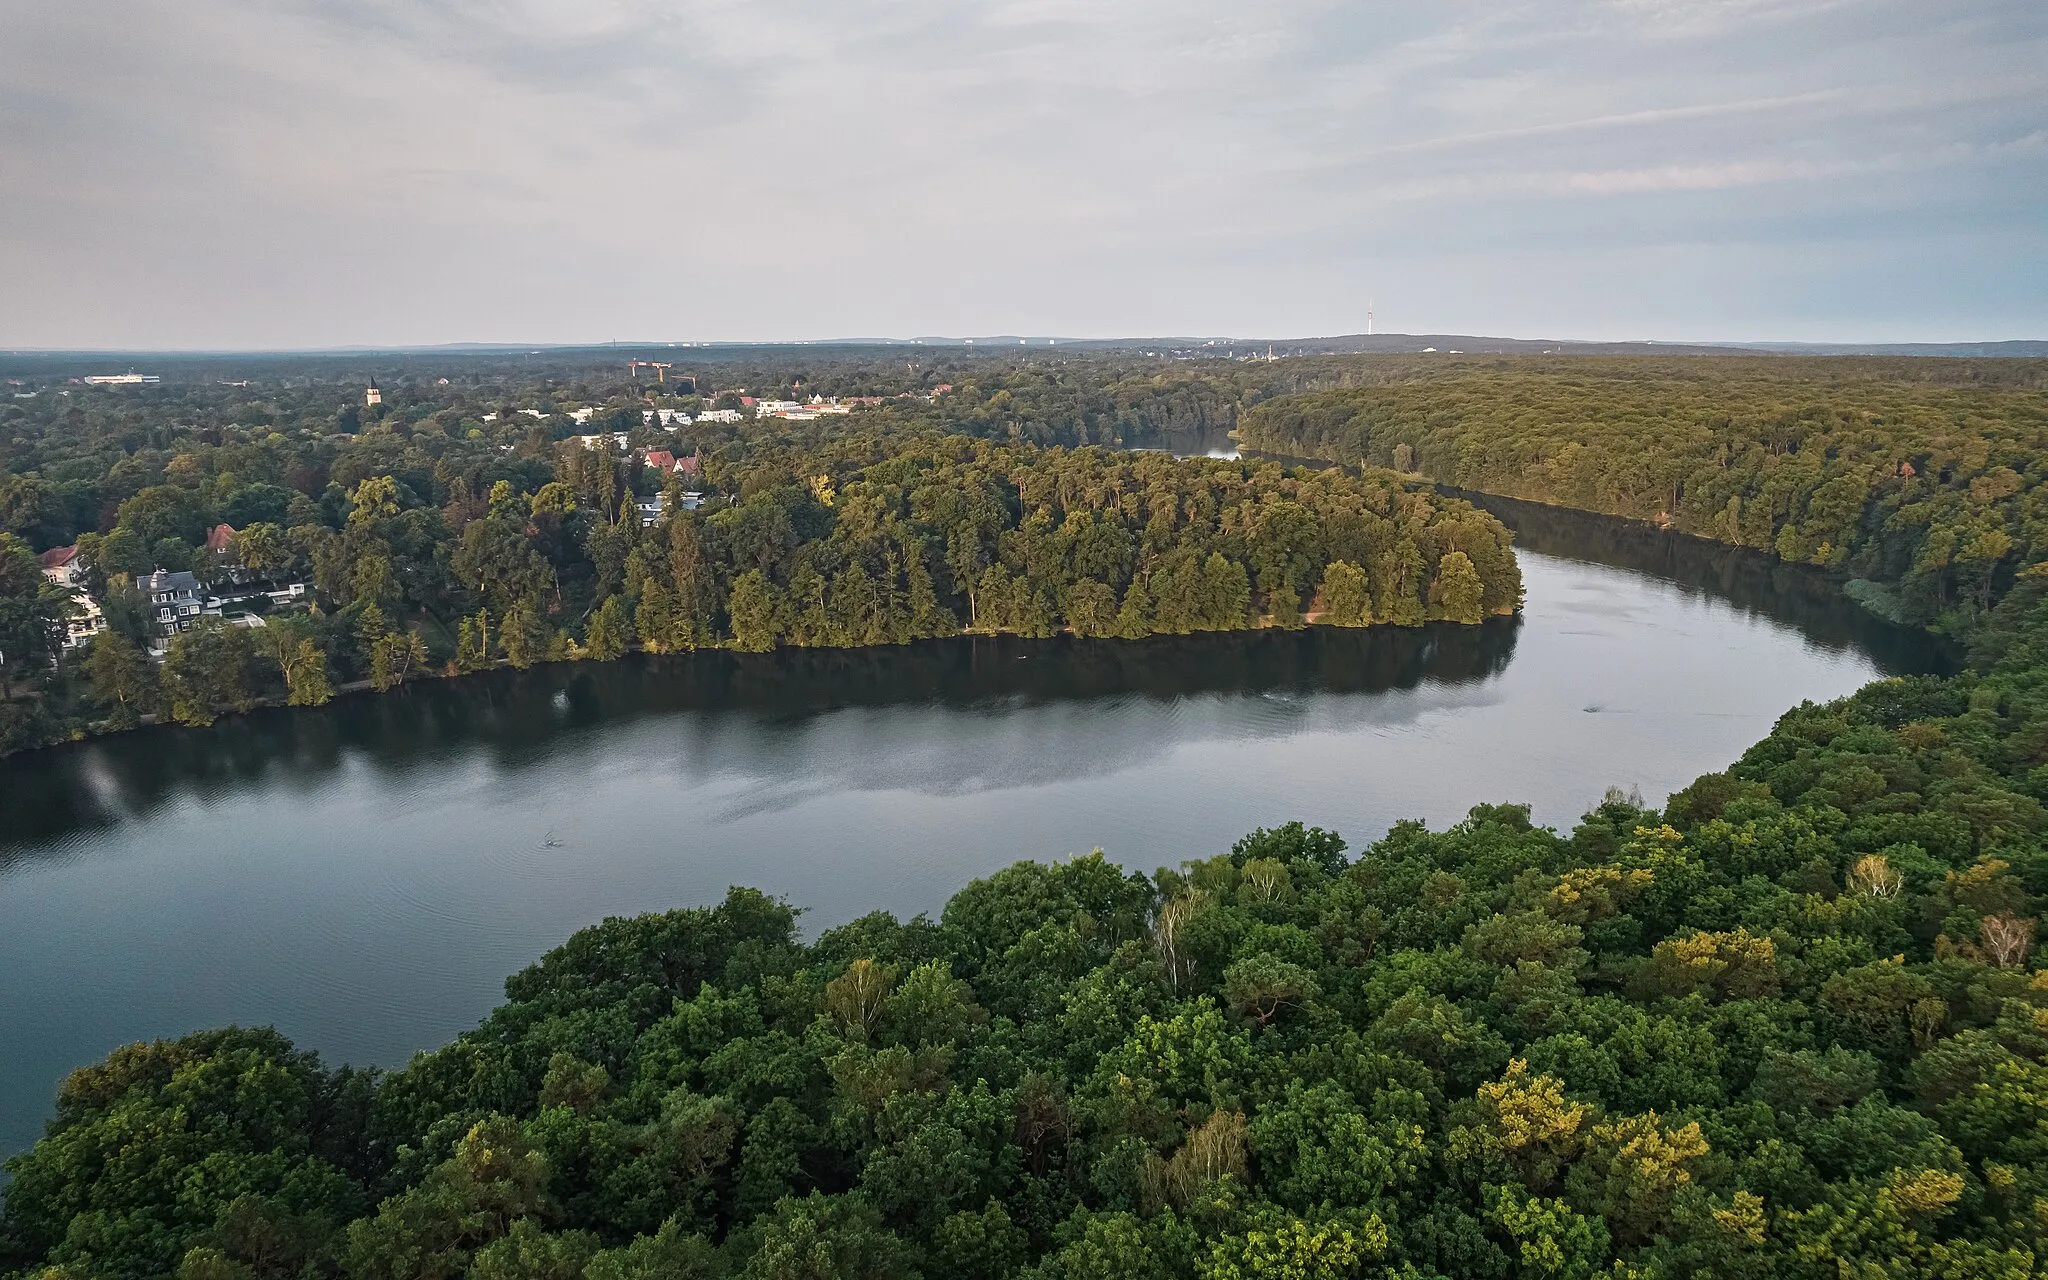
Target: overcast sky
[[284, 173]]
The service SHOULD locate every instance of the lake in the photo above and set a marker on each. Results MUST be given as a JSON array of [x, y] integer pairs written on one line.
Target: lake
[[365, 875]]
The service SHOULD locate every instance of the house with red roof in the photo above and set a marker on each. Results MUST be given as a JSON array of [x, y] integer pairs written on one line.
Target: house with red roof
[[60, 563]]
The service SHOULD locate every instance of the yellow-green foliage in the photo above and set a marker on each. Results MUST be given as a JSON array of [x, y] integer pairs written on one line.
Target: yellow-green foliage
[[1925, 475]]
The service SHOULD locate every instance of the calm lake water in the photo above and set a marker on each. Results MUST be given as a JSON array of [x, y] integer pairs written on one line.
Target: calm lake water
[[365, 875]]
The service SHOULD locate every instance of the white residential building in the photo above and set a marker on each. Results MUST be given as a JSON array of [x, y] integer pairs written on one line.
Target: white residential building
[[240, 598], [60, 566]]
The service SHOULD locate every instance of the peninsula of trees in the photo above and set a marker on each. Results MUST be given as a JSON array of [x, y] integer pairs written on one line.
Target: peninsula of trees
[[428, 548]]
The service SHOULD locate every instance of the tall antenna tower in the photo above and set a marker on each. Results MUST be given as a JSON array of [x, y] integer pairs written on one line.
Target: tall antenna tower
[[1368, 317]]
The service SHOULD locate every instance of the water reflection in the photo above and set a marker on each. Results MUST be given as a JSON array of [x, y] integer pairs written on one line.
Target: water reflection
[[365, 874], [518, 717], [1762, 586]]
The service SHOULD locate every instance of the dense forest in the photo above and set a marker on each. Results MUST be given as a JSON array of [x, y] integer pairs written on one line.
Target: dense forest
[[440, 536], [1792, 1022], [1795, 1024], [1919, 480], [457, 525]]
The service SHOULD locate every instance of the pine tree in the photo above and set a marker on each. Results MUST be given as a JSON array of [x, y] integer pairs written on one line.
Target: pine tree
[[523, 635], [1176, 587], [609, 627], [753, 610], [1226, 594], [1397, 580], [656, 617], [1134, 616], [994, 599], [928, 617], [473, 642], [394, 656]]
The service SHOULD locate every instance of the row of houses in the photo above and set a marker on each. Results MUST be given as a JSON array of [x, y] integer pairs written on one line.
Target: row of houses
[[662, 461], [750, 407], [173, 598]]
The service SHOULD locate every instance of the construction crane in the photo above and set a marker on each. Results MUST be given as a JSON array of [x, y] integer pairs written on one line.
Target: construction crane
[[633, 368]]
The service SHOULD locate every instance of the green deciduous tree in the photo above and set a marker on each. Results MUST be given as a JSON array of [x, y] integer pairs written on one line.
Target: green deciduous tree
[[207, 668], [123, 681], [1458, 593]]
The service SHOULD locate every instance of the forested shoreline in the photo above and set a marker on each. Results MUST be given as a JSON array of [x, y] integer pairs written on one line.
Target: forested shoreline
[[1921, 485], [456, 525], [1794, 1022], [854, 538]]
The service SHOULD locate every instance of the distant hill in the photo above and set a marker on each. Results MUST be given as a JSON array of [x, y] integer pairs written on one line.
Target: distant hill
[[1472, 344], [1175, 345], [1996, 350], [1458, 343]]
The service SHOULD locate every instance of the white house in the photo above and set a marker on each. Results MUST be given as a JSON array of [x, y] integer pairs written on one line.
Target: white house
[[60, 566]]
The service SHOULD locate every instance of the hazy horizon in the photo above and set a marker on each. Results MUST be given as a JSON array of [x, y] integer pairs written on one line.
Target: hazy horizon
[[992, 343], [323, 174]]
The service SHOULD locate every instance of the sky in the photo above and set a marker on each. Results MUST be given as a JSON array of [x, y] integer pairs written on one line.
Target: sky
[[299, 173]]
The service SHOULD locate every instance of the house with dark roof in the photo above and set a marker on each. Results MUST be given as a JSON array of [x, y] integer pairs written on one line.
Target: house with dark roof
[[172, 596]]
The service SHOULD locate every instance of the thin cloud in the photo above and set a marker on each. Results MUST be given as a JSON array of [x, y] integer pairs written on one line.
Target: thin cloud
[[334, 171]]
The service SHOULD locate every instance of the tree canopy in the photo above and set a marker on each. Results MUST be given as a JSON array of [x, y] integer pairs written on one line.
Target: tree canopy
[[1927, 490]]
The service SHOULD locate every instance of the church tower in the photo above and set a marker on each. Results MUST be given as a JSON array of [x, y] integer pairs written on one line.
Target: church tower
[[372, 397]]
